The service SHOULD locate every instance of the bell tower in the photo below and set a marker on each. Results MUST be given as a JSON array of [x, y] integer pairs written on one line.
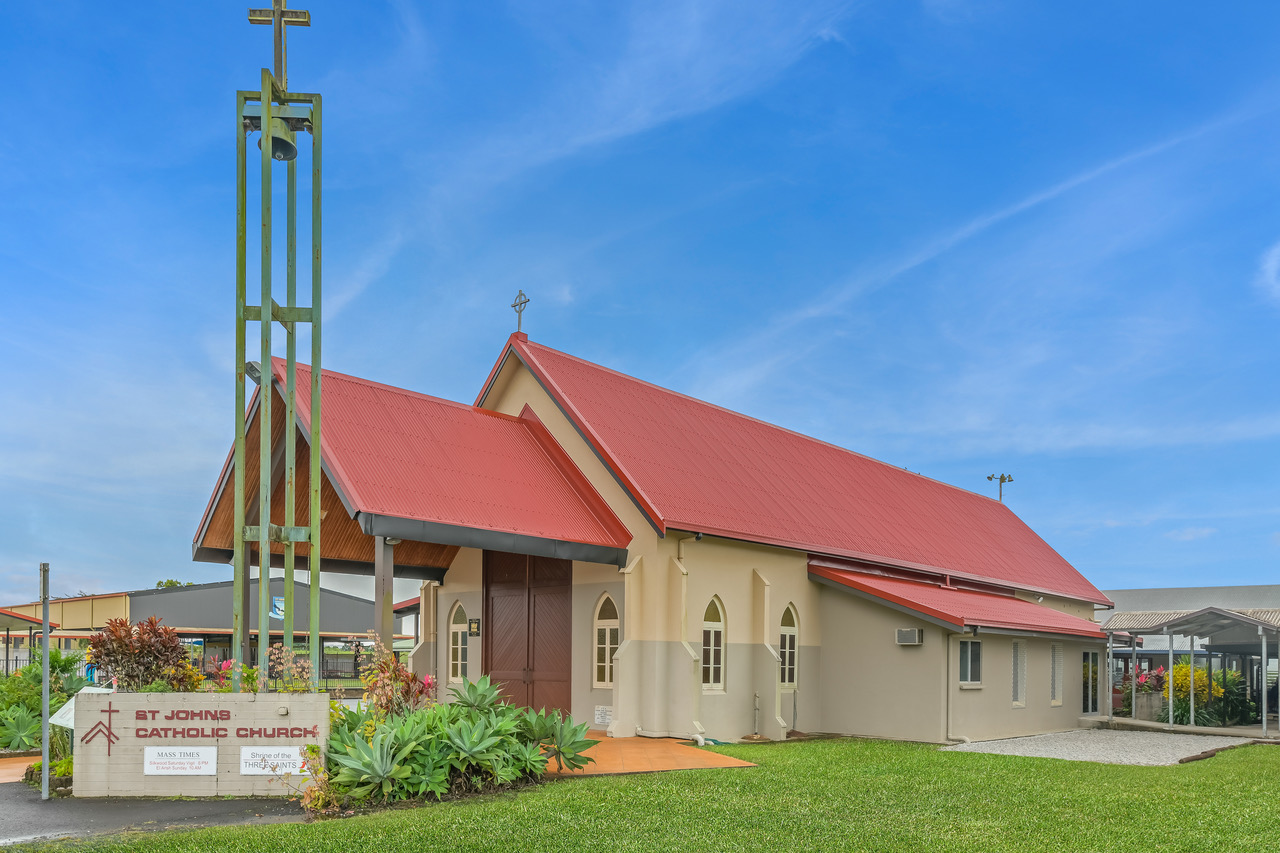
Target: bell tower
[[280, 117]]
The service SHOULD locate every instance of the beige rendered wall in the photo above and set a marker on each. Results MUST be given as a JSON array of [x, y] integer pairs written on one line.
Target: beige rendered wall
[[871, 685], [663, 596], [1082, 609], [988, 711], [462, 583]]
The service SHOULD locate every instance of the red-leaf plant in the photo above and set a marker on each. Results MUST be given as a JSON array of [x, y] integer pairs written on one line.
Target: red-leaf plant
[[136, 654]]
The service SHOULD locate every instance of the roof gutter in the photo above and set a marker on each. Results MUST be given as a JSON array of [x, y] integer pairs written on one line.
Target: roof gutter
[[417, 530]]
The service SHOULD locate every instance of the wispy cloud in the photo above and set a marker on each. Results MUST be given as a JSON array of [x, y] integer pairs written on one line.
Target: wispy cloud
[[1191, 534], [1268, 277]]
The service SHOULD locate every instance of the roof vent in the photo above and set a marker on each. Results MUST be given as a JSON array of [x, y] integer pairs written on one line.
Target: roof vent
[[910, 636]]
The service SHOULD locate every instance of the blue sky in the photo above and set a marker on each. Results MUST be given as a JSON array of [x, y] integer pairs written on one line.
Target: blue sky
[[965, 238]]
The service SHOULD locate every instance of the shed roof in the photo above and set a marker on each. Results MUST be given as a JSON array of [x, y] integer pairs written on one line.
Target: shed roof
[[959, 608], [691, 465], [1202, 623]]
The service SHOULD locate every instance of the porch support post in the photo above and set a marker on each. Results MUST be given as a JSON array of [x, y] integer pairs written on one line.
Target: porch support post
[[1263, 635], [383, 594], [1192, 718], [1133, 680], [1111, 705], [1168, 678]]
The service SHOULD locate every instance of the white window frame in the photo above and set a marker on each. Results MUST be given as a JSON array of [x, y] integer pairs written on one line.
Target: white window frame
[[612, 629], [1057, 661], [970, 650], [788, 641], [459, 644], [713, 642], [1019, 674]]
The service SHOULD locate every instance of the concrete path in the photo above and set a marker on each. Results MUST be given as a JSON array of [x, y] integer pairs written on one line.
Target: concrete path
[[1104, 746], [24, 817]]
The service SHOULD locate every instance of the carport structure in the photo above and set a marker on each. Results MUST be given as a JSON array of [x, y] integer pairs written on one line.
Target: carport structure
[[1244, 640]]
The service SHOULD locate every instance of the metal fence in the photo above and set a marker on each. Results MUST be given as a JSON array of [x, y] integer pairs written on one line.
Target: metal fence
[[338, 668]]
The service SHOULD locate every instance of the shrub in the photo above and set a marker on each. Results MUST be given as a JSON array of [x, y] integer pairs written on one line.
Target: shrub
[[474, 744], [287, 672], [389, 686], [136, 654]]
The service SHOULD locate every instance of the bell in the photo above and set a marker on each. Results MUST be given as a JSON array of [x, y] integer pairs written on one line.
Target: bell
[[282, 147]]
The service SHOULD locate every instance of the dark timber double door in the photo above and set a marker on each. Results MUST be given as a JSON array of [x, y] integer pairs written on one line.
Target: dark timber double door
[[527, 610]]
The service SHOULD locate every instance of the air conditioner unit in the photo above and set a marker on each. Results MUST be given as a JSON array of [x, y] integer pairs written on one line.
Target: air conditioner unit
[[910, 636]]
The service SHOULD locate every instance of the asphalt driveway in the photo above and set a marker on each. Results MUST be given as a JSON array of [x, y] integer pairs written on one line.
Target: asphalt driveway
[[24, 817]]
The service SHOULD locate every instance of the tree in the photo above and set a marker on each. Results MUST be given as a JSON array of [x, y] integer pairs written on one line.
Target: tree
[[169, 583]]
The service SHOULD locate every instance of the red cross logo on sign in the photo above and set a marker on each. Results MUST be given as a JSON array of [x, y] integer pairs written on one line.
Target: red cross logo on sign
[[101, 728]]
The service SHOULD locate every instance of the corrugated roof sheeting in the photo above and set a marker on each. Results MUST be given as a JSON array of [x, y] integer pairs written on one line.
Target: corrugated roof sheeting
[[962, 607], [1138, 620], [407, 455], [695, 466]]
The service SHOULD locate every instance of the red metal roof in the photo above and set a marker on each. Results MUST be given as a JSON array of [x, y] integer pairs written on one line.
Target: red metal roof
[[961, 607], [694, 466], [399, 453]]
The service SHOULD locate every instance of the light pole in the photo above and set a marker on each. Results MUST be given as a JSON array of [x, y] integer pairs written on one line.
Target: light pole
[[1004, 478]]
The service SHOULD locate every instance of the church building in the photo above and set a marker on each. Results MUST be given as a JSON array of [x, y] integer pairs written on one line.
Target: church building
[[660, 566]]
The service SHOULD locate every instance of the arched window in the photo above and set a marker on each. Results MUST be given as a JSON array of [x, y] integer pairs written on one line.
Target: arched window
[[713, 646], [787, 647], [458, 644], [608, 630]]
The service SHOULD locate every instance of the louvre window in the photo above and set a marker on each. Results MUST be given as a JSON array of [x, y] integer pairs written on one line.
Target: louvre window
[[1055, 674], [1019, 674]]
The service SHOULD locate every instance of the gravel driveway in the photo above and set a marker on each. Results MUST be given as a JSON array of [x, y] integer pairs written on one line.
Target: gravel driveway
[[1104, 746]]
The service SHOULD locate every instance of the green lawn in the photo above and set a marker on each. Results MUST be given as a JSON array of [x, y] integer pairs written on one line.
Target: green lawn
[[826, 795]]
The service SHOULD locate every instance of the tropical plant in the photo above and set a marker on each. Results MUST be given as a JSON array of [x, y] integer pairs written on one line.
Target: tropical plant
[[184, 678], [376, 766], [19, 728], [567, 745], [389, 685], [136, 654], [481, 695]]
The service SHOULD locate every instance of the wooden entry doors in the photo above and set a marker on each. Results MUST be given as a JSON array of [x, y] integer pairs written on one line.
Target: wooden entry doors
[[527, 610]]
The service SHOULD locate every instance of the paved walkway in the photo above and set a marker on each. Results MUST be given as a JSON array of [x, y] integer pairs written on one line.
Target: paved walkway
[[615, 755], [12, 769], [1105, 746]]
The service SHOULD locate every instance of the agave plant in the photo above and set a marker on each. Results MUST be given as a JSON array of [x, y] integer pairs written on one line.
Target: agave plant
[[535, 727], [567, 745], [475, 745], [372, 767], [19, 728], [481, 695], [528, 759]]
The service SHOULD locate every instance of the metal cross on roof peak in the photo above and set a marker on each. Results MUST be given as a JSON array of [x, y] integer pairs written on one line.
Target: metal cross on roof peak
[[279, 17], [521, 301]]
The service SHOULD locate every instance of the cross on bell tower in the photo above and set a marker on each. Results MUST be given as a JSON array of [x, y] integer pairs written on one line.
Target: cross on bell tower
[[279, 17]]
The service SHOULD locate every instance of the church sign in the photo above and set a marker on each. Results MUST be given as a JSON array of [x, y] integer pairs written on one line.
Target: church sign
[[194, 744]]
